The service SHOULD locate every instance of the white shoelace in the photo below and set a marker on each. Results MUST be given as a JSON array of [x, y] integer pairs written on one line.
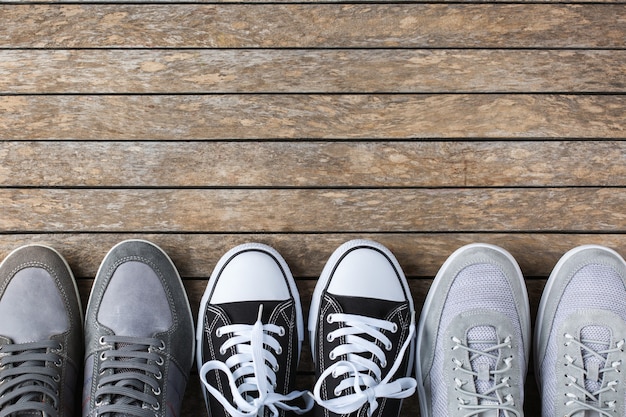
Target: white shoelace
[[362, 371], [255, 365], [590, 400], [489, 400]]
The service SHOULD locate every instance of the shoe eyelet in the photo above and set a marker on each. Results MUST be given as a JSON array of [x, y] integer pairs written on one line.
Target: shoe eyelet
[[98, 403], [101, 340], [337, 392], [332, 356], [162, 345], [281, 331], [102, 356], [156, 407], [276, 368], [279, 351], [156, 391], [388, 347], [383, 364], [218, 332], [160, 361], [330, 338], [394, 329], [329, 319], [158, 376], [56, 378], [58, 363], [222, 351]]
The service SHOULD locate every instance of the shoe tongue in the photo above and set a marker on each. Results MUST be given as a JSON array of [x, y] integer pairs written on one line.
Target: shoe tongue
[[483, 338], [367, 307], [597, 338], [247, 312]]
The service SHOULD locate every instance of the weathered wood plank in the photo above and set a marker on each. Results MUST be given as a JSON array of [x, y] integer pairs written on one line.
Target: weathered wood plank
[[386, 116], [313, 71], [419, 254], [313, 210], [314, 25], [147, 2], [312, 164]]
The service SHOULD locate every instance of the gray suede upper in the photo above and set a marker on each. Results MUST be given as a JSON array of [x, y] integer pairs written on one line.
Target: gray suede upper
[[139, 293], [39, 301]]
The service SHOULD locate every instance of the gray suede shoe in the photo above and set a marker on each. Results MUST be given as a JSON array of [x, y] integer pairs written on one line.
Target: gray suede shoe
[[474, 337], [40, 334], [581, 334], [139, 336]]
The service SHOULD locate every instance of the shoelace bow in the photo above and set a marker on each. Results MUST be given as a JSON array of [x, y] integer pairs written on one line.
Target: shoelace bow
[[590, 399], [126, 369], [26, 383], [254, 366], [491, 399], [363, 371]]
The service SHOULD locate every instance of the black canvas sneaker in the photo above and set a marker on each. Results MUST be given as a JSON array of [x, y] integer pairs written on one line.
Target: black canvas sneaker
[[139, 336], [361, 326], [250, 329], [40, 334]]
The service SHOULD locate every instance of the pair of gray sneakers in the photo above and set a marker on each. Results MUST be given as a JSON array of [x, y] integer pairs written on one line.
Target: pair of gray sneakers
[[474, 336], [137, 349]]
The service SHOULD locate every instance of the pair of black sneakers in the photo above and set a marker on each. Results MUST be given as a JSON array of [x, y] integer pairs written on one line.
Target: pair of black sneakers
[[361, 330]]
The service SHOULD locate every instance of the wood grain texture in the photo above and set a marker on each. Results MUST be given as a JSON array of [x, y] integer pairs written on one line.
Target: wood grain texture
[[314, 210], [313, 71], [26, 2], [314, 26], [312, 164], [384, 116], [420, 254]]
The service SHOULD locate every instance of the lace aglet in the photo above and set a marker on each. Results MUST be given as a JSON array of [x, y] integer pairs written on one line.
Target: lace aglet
[[260, 315]]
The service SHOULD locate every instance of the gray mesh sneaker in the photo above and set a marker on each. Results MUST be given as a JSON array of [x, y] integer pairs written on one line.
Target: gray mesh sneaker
[[580, 335], [362, 332], [474, 337], [40, 334], [250, 330], [139, 336]]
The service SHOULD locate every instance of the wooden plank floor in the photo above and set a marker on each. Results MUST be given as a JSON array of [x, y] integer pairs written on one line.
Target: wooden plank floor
[[424, 125]]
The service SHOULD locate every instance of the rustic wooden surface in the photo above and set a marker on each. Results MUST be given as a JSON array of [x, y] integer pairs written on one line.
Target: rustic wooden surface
[[425, 125]]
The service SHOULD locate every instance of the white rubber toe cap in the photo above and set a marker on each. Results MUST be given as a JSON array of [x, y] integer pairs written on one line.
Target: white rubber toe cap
[[250, 275]]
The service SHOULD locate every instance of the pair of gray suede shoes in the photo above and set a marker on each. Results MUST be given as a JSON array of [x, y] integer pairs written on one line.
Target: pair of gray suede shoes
[[138, 342]]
